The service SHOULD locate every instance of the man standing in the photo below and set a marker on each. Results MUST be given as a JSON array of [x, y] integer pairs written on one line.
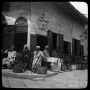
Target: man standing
[[37, 58], [45, 56], [46, 53]]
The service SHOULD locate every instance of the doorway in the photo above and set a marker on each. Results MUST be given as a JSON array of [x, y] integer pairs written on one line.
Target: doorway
[[81, 50], [76, 47], [20, 40], [41, 41], [65, 47]]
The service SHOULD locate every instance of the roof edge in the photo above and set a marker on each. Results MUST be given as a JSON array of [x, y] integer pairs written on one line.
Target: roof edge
[[77, 11]]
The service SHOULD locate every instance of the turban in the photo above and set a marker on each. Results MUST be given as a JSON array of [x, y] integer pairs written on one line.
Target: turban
[[47, 46], [37, 46], [25, 46]]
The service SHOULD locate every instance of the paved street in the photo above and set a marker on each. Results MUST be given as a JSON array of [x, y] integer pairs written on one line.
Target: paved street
[[70, 79]]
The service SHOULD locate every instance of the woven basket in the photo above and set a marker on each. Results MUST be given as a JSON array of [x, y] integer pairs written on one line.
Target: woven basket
[[18, 68], [41, 70]]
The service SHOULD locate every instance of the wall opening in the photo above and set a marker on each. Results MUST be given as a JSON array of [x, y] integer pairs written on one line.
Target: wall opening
[[75, 47], [54, 37], [41, 41], [19, 41], [65, 47]]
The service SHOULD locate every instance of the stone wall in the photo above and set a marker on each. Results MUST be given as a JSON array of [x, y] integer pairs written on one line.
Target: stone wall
[[58, 22]]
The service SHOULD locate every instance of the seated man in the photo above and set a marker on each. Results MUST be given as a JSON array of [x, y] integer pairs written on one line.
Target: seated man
[[11, 56], [37, 58]]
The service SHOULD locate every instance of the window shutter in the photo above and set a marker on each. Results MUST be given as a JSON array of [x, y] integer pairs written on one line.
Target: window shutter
[[61, 43], [33, 42], [50, 41]]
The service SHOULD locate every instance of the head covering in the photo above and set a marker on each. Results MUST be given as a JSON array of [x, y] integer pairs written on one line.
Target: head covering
[[37, 46], [25, 46], [46, 46]]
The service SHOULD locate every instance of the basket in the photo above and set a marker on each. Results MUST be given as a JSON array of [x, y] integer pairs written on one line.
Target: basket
[[19, 68], [41, 70], [55, 67]]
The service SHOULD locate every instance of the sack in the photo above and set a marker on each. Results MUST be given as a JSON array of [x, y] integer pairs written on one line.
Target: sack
[[41, 70]]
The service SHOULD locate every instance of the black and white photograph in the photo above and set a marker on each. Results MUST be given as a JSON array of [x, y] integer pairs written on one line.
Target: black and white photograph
[[44, 45]]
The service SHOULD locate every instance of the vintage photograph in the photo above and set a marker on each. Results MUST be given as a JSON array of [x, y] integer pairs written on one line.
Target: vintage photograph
[[44, 45]]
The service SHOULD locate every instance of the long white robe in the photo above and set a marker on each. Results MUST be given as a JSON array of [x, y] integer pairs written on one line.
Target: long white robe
[[37, 56], [11, 57]]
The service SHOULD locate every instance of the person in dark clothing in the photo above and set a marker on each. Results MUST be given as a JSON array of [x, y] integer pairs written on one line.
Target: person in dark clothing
[[54, 52], [26, 57]]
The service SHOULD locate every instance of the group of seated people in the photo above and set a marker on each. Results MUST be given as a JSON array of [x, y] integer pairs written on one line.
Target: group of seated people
[[11, 55], [39, 57]]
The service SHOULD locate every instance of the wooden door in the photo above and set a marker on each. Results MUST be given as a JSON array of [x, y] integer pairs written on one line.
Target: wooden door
[[9, 36], [78, 47], [81, 49], [49, 40], [60, 44], [33, 42]]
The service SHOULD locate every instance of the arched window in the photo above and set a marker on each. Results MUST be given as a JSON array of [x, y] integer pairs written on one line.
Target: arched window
[[21, 29], [21, 24], [21, 21]]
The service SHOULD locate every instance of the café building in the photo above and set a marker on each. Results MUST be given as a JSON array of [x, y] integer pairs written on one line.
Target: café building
[[57, 24]]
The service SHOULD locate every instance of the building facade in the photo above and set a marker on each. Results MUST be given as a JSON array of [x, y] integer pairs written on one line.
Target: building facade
[[58, 25]]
